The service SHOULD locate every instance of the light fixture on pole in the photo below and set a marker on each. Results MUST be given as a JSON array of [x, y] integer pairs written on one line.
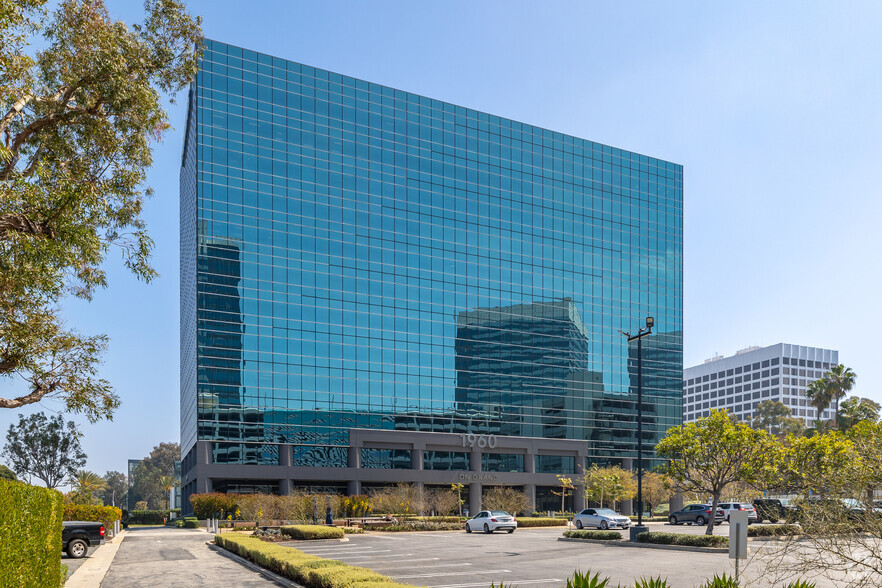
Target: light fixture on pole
[[647, 330]]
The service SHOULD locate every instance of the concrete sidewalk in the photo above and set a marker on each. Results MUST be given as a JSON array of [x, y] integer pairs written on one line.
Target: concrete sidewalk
[[91, 572]]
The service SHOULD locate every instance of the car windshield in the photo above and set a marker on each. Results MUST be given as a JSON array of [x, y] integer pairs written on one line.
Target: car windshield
[[607, 512], [499, 513]]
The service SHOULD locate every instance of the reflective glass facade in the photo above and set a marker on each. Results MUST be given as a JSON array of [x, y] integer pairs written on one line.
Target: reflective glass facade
[[355, 256]]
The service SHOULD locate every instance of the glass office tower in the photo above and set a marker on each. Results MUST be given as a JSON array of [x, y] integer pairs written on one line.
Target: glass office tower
[[380, 287]]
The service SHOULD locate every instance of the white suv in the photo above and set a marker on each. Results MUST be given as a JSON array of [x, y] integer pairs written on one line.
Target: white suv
[[730, 506]]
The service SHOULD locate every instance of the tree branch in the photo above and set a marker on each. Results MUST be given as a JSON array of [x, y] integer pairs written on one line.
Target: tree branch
[[12, 222], [38, 393]]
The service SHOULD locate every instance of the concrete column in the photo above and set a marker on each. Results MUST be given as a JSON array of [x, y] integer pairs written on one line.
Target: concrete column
[[676, 502], [285, 487], [579, 497], [628, 507], [353, 457], [475, 461], [286, 455], [530, 463], [530, 491], [203, 452], [475, 489], [353, 487], [203, 485], [416, 458]]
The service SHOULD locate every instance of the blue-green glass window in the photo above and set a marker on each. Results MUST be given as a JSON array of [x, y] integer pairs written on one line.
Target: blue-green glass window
[[445, 460], [555, 464], [502, 462], [389, 459]]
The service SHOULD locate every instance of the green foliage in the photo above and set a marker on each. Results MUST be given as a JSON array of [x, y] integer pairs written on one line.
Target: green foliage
[[586, 580], [593, 534], [777, 419], [856, 410], [723, 581], [801, 584], [77, 124], [187, 523], [418, 525], [651, 583], [147, 517], [307, 570], [30, 535], [149, 475], [47, 449], [773, 530], [312, 532], [526, 522], [682, 539], [106, 515], [86, 487], [711, 453], [7, 474], [116, 486], [506, 498], [820, 461], [356, 506], [608, 484], [210, 504]]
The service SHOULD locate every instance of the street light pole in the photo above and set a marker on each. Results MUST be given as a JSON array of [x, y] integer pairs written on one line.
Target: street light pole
[[647, 330]]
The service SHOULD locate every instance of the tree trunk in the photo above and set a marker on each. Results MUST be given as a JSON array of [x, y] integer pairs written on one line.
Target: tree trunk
[[712, 518]]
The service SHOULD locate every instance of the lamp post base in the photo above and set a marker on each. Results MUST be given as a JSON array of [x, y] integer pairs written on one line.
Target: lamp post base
[[636, 530]]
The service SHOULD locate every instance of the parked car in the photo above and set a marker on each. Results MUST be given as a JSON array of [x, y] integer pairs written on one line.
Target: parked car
[[739, 506], [78, 536], [603, 518], [698, 514], [775, 509], [492, 520]]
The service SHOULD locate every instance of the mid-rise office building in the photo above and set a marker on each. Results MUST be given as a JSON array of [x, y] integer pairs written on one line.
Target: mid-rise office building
[[738, 383], [379, 287]]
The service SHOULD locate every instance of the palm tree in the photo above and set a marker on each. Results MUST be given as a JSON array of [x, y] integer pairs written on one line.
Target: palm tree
[[88, 483], [840, 381], [167, 482], [820, 395]]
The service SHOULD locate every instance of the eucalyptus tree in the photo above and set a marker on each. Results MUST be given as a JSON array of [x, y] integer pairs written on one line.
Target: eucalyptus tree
[[78, 120]]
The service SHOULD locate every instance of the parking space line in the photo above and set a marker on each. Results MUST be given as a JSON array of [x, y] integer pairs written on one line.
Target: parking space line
[[443, 565], [390, 555], [468, 573], [408, 561], [355, 551], [514, 583]]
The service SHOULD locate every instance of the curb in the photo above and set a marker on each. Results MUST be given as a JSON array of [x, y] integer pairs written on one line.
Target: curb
[[253, 566], [93, 570], [649, 545]]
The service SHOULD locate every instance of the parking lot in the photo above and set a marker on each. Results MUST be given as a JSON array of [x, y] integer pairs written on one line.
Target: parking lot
[[528, 557]]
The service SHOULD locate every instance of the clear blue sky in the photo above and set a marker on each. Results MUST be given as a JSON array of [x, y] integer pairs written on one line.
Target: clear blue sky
[[772, 108]]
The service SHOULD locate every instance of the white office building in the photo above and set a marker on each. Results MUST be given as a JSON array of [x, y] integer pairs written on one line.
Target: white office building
[[738, 383]]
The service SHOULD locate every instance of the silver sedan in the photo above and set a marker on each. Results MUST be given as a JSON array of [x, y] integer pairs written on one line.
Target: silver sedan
[[602, 518]]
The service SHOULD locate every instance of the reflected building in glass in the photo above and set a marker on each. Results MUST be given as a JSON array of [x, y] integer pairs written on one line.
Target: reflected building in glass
[[378, 287]]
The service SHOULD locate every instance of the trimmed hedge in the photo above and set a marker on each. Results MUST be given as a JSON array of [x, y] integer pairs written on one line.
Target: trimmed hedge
[[541, 522], [420, 526], [30, 535], [312, 532], [601, 535], [773, 530], [210, 504], [106, 515], [187, 523], [682, 539], [307, 570], [149, 517]]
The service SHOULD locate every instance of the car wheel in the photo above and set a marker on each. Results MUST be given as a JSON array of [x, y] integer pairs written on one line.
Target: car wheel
[[604, 525], [673, 520], [510, 531], [700, 521], [487, 528], [578, 524], [77, 549], [468, 529]]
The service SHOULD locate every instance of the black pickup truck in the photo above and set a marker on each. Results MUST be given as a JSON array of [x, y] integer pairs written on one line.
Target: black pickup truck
[[78, 536]]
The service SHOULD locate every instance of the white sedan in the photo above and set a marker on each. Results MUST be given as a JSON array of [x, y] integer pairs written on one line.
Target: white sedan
[[492, 520], [603, 518]]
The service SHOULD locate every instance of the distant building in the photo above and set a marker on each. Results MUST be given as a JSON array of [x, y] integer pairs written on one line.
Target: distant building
[[738, 383]]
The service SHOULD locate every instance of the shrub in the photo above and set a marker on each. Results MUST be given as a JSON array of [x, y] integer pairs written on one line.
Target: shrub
[[507, 499], [308, 570], [106, 515], [147, 517], [586, 580], [312, 532], [601, 535], [542, 522], [652, 583], [209, 504], [421, 526], [723, 581], [681, 539], [773, 530], [351, 530], [30, 533]]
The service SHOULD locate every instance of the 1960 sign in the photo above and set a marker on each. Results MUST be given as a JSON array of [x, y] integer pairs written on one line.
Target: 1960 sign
[[480, 441]]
